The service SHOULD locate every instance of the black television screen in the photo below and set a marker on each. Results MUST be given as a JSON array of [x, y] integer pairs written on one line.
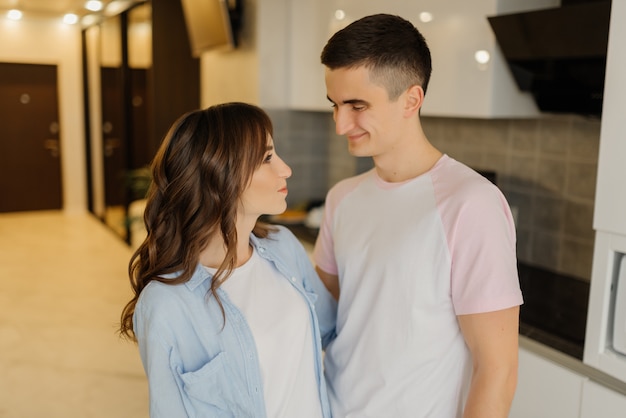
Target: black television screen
[[211, 24]]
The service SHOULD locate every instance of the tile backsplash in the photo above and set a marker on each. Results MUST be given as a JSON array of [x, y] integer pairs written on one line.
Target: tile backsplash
[[546, 168]]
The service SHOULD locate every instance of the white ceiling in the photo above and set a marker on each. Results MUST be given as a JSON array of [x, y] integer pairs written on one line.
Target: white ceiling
[[47, 7]]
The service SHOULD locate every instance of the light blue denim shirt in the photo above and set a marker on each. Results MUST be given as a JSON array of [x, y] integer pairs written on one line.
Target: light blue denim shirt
[[195, 367]]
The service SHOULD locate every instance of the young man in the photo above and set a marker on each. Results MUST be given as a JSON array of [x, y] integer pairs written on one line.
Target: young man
[[419, 251]]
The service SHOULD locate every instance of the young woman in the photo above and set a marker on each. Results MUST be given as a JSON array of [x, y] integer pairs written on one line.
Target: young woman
[[228, 313]]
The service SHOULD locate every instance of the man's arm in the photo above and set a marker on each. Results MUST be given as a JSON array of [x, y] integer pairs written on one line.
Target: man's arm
[[492, 338], [331, 281]]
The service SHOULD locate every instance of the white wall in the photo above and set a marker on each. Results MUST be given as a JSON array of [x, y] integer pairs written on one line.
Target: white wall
[[51, 42], [232, 75]]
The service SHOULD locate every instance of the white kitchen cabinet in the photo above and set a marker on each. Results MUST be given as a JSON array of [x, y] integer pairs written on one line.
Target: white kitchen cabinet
[[610, 205], [546, 389], [610, 208], [279, 61], [599, 401], [459, 87]]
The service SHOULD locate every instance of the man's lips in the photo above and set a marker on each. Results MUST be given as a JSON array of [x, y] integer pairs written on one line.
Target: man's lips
[[355, 137]]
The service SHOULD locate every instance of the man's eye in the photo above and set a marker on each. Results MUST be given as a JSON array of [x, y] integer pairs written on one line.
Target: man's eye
[[358, 108]]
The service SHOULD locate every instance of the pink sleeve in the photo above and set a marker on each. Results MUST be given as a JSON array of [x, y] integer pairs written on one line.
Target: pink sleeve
[[323, 252], [481, 240]]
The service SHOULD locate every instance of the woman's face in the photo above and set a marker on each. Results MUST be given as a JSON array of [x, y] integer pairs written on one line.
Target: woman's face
[[267, 192]]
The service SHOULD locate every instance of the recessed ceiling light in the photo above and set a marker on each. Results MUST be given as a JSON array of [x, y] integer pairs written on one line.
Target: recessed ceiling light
[[426, 17], [14, 14], [93, 5], [482, 57], [70, 19]]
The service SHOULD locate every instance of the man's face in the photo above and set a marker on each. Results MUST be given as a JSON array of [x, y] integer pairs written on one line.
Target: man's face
[[363, 112]]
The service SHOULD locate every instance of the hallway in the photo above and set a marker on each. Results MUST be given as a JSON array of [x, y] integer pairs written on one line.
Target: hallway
[[63, 283]]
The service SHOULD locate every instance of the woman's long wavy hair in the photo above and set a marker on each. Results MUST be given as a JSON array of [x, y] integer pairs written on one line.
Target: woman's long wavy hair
[[199, 173]]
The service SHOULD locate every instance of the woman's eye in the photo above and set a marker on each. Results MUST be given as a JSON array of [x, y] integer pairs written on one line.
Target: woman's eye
[[268, 158]]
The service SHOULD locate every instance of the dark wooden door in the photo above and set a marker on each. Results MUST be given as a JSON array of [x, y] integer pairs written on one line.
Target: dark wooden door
[[114, 141], [30, 167]]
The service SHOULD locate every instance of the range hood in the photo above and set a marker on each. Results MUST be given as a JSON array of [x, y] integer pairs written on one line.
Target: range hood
[[558, 54]]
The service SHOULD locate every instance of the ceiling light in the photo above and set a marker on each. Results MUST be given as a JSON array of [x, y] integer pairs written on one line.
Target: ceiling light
[[70, 19], [482, 57], [93, 5], [426, 17], [14, 14]]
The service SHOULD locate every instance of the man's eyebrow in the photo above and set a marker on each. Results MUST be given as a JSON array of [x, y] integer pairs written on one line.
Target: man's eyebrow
[[350, 101]]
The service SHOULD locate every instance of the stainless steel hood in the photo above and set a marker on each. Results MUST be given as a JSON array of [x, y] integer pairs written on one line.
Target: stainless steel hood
[[558, 54]]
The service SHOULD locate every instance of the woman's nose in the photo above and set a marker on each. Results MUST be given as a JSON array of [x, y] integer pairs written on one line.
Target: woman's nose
[[284, 170]]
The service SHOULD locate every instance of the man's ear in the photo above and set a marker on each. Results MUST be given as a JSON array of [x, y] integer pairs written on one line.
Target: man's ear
[[413, 100]]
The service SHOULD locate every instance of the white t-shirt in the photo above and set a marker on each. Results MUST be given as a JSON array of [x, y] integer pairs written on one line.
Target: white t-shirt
[[279, 320], [410, 257]]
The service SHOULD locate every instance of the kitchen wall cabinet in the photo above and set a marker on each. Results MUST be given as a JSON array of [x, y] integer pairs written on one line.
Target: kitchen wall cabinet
[[460, 86], [278, 61], [545, 389]]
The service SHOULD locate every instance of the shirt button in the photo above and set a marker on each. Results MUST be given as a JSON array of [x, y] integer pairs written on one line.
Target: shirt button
[[293, 279], [261, 249]]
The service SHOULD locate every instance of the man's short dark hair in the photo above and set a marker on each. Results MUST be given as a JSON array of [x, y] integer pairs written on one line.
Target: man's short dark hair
[[392, 48]]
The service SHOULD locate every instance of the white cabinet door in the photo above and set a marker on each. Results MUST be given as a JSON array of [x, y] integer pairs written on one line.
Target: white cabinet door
[[599, 401], [546, 389], [610, 205]]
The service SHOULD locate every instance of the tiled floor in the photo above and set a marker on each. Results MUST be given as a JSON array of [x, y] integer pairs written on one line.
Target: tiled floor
[[63, 283]]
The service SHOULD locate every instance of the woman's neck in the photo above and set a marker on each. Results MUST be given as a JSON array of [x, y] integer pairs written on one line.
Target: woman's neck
[[215, 252]]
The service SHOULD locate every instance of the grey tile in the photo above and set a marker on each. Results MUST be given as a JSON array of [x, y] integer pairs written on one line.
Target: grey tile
[[524, 135], [547, 213], [524, 245], [524, 204], [581, 180], [577, 258], [551, 176], [585, 140], [494, 135], [545, 249], [578, 222], [495, 161], [554, 136], [522, 171]]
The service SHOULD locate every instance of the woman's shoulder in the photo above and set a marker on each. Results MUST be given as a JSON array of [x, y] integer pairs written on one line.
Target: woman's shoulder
[[278, 236], [167, 295]]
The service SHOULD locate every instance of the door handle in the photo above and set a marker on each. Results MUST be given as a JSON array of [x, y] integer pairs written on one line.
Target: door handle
[[109, 146], [52, 145]]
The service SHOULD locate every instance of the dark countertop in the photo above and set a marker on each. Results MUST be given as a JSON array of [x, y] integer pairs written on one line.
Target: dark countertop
[[554, 312], [555, 309]]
